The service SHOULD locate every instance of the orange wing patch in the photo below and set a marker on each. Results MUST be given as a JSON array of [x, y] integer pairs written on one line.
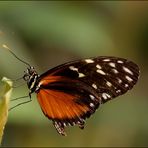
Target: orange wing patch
[[49, 79], [58, 105]]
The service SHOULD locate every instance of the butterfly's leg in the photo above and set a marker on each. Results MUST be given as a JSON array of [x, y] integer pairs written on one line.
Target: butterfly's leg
[[60, 128], [21, 102], [19, 98]]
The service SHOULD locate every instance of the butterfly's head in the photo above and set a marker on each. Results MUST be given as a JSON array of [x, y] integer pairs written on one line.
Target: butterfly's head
[[30, 72], [30, 75]]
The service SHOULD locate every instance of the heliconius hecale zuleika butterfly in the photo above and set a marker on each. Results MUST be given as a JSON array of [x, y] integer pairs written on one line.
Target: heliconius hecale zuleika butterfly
[[71, 92]]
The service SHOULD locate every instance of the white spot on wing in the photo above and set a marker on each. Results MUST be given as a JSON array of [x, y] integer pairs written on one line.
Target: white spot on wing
[[91, 105], [73, 68], [101, 72], [89, 61], [108, 84], [118, 91], [92, 97], [76, 69], [69, 124], [112, 64], [119, 61], [129, 78], [94, 86], [98, 66], [106, 60], [64, 124], [127, 70], [115, 71], [126, 85], [81, 75], [119, 80], [106, 96]]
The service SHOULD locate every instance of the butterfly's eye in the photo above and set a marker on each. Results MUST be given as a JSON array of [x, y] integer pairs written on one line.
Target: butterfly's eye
[[31, 71], [26, 77]]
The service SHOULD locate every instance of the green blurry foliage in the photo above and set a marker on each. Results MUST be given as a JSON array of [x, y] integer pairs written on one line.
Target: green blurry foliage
[[5, 94], [48, 33]]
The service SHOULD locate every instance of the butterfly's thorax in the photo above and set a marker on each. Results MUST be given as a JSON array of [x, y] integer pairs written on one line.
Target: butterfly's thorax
[[31, 77]]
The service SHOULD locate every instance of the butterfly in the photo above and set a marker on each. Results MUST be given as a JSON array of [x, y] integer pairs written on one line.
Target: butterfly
[[70, 93]]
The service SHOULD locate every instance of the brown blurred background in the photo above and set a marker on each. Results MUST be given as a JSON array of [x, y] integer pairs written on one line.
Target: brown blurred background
[[48, 33]]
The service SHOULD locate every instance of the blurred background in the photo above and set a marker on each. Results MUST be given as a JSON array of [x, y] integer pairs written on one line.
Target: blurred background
[[48, 33]]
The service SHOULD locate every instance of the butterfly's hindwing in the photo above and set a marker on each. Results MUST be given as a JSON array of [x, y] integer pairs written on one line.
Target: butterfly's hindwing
[[76, 89], [74, 99]]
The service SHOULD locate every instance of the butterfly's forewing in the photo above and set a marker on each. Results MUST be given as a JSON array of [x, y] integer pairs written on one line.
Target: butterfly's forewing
[[73, 91]]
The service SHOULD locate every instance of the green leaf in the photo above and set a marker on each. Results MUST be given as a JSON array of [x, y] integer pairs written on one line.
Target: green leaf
[[5, 93]]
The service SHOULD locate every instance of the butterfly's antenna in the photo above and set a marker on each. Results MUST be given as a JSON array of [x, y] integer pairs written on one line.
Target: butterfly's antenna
[[6, 47]]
